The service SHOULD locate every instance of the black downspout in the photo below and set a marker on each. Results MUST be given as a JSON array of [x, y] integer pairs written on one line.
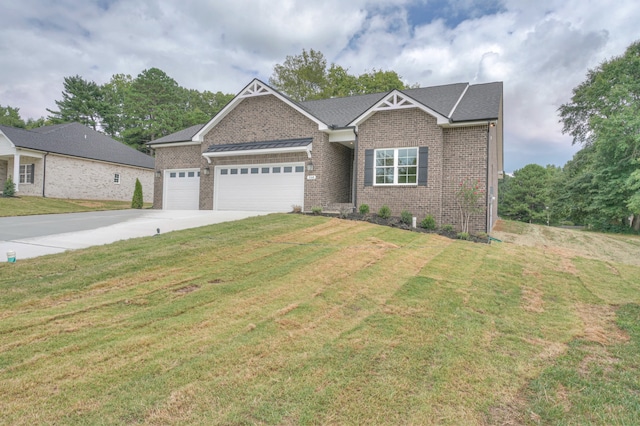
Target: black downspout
[[44, 174]]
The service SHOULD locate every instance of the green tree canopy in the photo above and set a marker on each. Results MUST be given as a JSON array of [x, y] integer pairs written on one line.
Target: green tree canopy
[[604, 116], [10, 116], [82, 101], [525, 196], [306, 77]]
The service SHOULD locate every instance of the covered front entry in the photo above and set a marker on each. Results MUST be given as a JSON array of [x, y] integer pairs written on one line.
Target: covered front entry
[[181, 189], [259, 187]]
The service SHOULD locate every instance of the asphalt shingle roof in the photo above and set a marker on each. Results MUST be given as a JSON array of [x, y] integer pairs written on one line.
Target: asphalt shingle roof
[[471, 103], [183, 135], [77, 140]]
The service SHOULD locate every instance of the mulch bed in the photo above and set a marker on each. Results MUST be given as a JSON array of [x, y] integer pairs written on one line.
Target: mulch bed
[[396, 222]]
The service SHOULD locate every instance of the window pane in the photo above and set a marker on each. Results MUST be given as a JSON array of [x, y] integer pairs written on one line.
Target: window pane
[[265, 170], [172, 174], [288, 169], [234, 171], [192, 174], [299, 169], [276, 170], [181, 174], [254, 170], [244, 171], [224, 171]]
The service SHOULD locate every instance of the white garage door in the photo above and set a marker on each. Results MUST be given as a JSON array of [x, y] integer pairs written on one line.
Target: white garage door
[[181, 189], [266, 187]]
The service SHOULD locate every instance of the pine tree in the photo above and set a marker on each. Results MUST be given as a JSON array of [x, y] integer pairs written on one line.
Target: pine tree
[[136, 202]]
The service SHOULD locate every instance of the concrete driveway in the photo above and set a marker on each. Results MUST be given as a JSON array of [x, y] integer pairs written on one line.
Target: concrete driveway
[[33, 236]]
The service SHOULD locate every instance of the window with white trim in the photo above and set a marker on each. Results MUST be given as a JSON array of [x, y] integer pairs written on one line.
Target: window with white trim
[[396, 166], [116, 178], [26, 173]]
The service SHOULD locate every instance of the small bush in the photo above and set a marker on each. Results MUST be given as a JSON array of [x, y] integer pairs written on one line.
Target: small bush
[[429, 223], [137, 202], [463, 236], [482, 235], [9, 188], [447, 228], [296, 209], [406, 217], [364, 209], [344, 212], [316, 210], [384, 212]]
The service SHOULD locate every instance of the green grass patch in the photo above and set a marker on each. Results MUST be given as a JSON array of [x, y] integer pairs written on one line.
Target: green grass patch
[[294, 319], [24, 206]]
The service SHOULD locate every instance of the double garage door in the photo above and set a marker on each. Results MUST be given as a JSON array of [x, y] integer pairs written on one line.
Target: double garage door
[[264, 187]]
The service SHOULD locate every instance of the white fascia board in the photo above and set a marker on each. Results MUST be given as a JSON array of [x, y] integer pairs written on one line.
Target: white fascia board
[[30, 153], [342, 135], [255, 88], [6, 146], [170, 144], [396, 100], [287, 150], [472, 123]]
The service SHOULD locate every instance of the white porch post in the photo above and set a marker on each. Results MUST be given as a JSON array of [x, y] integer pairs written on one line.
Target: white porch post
[[16, 170]]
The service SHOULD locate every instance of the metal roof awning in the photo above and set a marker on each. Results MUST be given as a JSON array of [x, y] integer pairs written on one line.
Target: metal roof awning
[[259, 148]]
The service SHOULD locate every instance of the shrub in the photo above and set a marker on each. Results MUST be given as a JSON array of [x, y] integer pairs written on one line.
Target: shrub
[[384, 212], [364, 209], [136, 202], [447, 228], [296, 209], [344, 212], [316, 210], [406, 217], [463, 236], [429, 222], [9, 188]]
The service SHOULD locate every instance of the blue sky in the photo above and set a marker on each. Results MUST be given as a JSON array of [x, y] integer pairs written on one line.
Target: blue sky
[[540, 50]]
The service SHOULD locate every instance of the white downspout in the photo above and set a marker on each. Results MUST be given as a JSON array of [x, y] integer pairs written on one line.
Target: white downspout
[[16, 170]]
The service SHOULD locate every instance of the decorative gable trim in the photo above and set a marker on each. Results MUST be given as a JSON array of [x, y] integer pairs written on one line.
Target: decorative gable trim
[[396, 100], [253, 89]]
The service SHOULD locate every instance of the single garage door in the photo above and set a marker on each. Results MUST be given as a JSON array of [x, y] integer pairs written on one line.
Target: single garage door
[[181, 189], [265, 187]]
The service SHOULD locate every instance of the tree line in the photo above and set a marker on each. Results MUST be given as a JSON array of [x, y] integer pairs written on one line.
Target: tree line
[[151, 105], [600, 186]]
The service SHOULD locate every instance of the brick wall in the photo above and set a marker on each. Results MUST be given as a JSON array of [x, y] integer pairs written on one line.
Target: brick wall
[[175, 157], [68, 177], [397, 129], [465, 157], [264, 118]]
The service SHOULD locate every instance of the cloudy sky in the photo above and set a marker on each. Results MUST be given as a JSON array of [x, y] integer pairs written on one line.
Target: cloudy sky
[[540, 49]]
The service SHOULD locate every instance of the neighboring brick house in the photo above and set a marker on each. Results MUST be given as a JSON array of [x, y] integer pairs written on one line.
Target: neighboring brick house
[[407, 149], [72, 161]]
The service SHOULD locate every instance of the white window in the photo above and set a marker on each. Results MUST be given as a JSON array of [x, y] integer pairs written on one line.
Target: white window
[[26, 173], [396, 166], [116, 178]]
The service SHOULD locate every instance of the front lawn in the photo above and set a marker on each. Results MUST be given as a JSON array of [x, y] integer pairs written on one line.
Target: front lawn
[[294, 319], [24, 206]]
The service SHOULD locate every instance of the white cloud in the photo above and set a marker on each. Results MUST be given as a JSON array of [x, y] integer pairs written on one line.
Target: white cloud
[[540, 50]]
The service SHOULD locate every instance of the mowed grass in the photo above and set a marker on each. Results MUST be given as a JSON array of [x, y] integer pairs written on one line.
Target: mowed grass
[[24, 206], [291, 319]]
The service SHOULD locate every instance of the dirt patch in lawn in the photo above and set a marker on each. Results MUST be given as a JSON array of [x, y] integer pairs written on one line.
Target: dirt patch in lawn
[[569, 243]]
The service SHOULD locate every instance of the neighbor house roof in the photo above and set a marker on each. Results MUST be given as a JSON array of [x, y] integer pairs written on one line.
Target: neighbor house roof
[[77, 140]]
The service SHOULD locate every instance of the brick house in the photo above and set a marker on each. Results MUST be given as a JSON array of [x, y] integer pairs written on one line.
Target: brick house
[[72, 161], [406, 149]]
